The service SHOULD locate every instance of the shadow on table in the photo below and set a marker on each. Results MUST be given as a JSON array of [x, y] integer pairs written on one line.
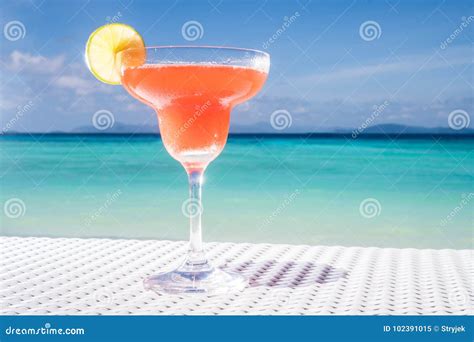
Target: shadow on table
[[288, 274]]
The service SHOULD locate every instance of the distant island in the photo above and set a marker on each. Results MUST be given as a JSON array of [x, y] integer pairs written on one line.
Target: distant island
[[404, 129], [381, 129]]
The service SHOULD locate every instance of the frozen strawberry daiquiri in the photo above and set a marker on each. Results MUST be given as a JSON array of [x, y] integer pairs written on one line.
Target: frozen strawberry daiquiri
[[193, 102], [193, 90]]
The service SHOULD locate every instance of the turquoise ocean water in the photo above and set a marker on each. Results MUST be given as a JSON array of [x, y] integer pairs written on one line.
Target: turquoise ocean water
[[406, 192]]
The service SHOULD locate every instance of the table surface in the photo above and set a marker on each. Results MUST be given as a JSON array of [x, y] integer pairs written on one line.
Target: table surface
[[62, 276]]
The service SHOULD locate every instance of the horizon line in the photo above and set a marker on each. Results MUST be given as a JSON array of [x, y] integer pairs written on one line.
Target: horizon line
[[469, 133]]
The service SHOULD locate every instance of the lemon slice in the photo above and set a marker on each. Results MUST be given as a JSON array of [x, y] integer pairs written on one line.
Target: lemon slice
[[104, 44]]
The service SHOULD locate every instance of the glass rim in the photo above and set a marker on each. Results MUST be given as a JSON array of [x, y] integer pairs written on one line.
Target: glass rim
[[215, 47], [238, 57]]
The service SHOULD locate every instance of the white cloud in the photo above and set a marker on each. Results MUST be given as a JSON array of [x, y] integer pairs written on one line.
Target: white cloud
[[53, 70], [73, 90], [80, 85], [410, 64], [19, 61], [77, 78], [122, 98], [133, 107]]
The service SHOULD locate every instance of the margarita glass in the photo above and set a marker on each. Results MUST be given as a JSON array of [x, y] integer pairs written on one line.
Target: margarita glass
[[193, 90]]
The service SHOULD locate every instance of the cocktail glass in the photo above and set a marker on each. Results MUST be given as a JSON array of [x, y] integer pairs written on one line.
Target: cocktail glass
[[193, 90]]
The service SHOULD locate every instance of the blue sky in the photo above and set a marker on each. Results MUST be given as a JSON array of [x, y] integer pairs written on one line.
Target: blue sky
[[324, 71]]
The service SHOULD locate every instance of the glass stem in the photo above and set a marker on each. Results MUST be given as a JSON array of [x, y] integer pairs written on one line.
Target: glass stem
[[196, 254]]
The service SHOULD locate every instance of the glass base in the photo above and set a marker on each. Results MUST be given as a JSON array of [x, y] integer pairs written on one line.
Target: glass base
[[199, 277]]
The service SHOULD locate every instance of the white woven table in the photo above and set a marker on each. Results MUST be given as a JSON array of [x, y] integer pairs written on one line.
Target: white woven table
[[102, 276]]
